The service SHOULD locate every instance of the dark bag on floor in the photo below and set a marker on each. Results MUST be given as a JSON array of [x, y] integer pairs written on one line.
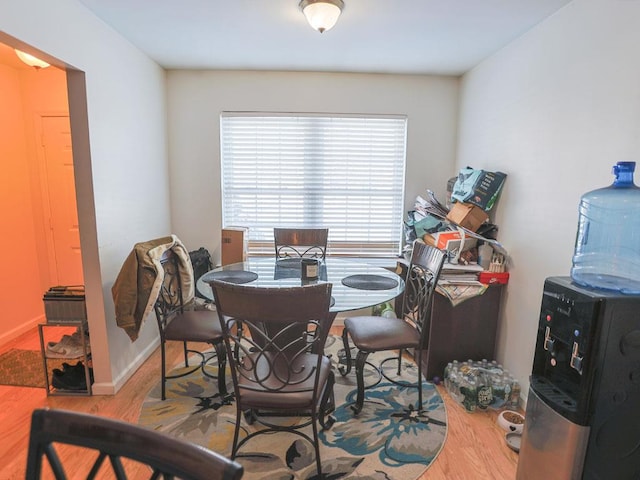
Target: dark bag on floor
[[202, 263]]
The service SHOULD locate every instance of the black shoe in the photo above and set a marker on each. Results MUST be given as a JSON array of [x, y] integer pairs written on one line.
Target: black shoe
[[78, 369], [73, 377], [61, 381]]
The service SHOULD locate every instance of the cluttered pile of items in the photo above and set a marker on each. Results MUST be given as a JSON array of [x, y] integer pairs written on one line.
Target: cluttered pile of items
[[461, 226]]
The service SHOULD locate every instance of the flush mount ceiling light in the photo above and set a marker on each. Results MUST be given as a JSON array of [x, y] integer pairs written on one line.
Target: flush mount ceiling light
[[31, 60], [322, 14]]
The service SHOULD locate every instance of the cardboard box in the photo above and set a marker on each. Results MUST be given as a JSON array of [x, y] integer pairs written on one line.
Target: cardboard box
[[489, 278], [234, 245], [467, 215], [449, 240]]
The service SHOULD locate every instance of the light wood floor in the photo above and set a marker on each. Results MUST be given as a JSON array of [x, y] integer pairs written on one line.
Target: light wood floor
[[474, 450]]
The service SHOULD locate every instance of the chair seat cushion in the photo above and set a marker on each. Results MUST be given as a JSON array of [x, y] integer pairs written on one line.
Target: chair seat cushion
[[381, 333], [274, 391], [194, 326]]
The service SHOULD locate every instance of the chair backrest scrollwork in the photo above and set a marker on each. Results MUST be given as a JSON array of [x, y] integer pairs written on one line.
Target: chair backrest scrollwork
[[272, 332], [420, 285], [300, 242]]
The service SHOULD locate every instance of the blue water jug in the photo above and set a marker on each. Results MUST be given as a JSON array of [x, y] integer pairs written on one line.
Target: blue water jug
[[607, 251]]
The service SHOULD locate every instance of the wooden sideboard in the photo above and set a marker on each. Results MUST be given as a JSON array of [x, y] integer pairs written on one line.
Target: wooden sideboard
[[466, 331]]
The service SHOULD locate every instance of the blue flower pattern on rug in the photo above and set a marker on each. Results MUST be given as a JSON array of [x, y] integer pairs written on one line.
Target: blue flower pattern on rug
[[391, 425], [388, 440]]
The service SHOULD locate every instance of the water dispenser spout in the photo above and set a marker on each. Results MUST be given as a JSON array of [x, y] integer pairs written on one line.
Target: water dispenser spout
[[576, 360], [548, 341]]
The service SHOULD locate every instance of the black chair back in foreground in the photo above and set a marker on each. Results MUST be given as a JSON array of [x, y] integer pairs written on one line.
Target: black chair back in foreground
[[119, 447]]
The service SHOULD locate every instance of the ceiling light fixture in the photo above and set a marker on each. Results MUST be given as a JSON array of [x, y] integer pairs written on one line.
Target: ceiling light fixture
[[322, 14], [31, 60]]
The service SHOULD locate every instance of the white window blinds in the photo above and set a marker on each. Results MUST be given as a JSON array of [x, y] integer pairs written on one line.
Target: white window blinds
[[345, 173]]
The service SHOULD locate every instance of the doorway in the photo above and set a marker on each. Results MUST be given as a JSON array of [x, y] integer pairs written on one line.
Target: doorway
[[35, 138], [25, 94]]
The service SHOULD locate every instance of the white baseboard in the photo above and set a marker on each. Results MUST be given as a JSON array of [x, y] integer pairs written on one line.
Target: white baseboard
[[111, 388], [15, 332]]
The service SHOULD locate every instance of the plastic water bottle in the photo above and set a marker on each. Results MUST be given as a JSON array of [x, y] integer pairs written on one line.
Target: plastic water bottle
[[498, 390], [484, 388], [469, 392], [607, 251], [450, 376], [447, 374], [388, 311], [514, 396]]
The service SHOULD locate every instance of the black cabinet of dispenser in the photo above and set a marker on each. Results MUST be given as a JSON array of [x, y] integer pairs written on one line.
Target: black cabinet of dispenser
[[585, 385]]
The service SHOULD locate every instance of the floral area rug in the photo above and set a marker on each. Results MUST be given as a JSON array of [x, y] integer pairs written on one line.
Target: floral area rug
[[388, 440]]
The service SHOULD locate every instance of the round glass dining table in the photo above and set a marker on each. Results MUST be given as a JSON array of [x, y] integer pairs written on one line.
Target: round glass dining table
[[355, 284]]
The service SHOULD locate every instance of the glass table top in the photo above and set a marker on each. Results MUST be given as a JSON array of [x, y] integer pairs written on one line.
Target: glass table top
[[272, 273]]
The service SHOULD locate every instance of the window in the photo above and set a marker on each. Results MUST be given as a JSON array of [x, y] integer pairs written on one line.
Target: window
[[345, 173]]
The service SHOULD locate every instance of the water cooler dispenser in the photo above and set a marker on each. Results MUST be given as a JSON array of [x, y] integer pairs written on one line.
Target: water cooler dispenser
[[583, 408]]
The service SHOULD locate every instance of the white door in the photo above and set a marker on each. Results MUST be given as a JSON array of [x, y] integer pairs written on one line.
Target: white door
[[60, 202]]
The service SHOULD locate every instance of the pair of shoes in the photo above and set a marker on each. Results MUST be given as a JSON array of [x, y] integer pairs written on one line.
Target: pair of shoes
[[71, 377], [69, 346]]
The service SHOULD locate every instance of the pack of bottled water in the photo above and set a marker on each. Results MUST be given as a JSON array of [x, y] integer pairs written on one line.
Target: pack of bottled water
[[481, 384]]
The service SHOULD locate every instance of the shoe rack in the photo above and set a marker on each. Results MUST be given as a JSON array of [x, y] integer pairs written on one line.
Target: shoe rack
[[46, 332]]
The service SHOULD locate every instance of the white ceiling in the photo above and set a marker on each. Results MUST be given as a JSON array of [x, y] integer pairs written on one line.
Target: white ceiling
[[373, 36]]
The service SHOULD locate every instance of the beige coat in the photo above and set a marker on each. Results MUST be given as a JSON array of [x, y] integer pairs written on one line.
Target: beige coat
[[138, 284]]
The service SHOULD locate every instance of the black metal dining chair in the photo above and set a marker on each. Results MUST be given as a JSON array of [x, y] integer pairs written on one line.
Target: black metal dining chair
[[274, 370], [177, 323], [376, 333], [300, 242], [118, 448]]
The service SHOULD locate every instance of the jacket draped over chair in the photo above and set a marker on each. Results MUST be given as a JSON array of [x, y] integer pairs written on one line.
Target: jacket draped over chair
[[138, 284]]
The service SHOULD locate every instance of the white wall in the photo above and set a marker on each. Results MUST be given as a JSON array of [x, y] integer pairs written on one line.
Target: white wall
[[126, 178], [555, 110], [196, 99]]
